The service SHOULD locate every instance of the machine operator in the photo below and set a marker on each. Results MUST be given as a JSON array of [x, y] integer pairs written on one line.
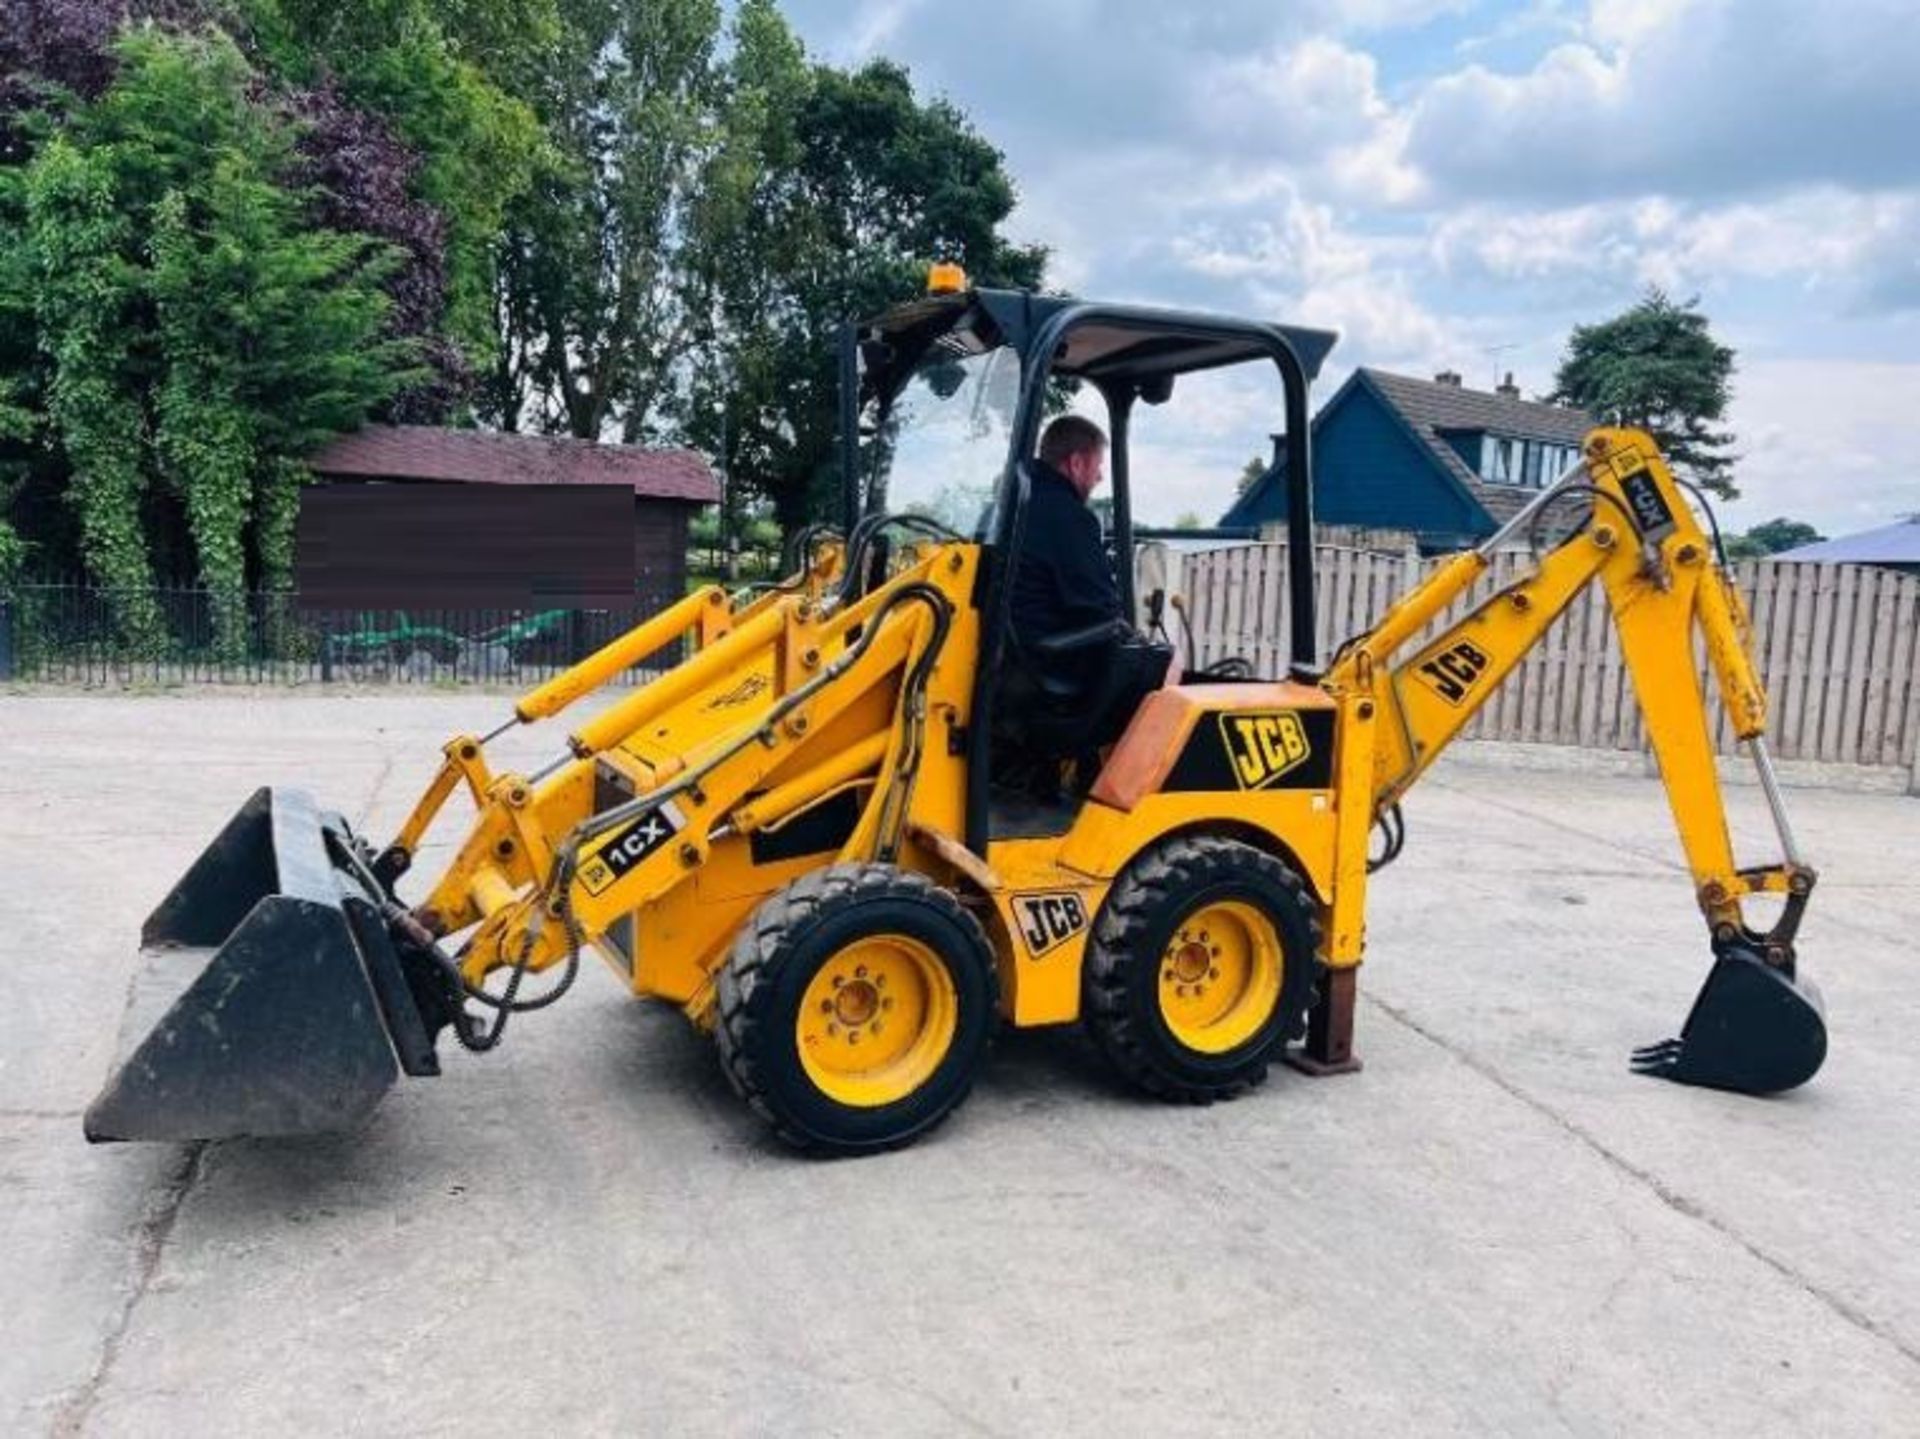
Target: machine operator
[[1063, 585], [1064, 581]]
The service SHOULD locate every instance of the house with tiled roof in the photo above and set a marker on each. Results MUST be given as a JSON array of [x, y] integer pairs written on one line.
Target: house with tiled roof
[[417, 516], [1432, 458]]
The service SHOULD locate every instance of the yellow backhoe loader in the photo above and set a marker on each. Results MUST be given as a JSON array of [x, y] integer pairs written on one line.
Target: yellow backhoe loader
[[805, 833]]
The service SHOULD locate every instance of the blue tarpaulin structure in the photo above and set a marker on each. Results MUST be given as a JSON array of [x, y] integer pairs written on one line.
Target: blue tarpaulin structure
[[1896, 546]]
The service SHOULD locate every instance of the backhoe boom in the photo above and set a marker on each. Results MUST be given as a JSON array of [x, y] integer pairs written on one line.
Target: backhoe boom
[[1664, 586]]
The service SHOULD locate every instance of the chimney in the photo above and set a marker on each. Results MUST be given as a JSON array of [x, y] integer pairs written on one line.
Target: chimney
[[1448, 377], [1507, 387]]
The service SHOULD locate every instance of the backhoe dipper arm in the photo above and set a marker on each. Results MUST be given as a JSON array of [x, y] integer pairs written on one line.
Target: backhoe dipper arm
[[1642, 543]]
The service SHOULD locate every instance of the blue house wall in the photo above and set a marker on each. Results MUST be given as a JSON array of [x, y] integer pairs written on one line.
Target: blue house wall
[[1369, 470], [1466, 444]]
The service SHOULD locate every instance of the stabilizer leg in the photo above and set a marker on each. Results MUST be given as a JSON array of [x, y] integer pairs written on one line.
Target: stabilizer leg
[[1329, 1047]]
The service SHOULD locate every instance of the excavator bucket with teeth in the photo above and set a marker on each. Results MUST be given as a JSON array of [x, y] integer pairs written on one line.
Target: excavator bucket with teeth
[[1754, 1028]]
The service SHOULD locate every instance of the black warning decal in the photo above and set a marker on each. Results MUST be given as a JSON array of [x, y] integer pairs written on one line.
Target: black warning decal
[[628, 847], [1452, 672], [1048, 921]]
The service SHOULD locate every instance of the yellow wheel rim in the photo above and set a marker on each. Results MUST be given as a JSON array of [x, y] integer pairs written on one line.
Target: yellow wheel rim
[[877, 1020], [1220, 976]]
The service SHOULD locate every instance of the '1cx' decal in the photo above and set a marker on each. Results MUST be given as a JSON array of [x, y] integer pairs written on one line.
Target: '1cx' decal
[[629, 846], [1048, 920], [1453, 672], [1263, 747]]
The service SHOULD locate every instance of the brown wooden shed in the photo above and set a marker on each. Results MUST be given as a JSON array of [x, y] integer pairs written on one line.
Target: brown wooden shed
[[414, 515]]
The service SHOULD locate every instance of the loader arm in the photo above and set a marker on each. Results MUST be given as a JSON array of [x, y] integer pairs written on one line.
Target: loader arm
[[669, 801], [1664, 588]]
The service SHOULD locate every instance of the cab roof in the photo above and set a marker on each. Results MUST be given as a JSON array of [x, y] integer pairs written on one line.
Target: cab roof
[[1117, 344]]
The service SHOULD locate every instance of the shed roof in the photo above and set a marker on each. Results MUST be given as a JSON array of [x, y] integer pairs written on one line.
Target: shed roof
[[1894, 544], [488, 457]]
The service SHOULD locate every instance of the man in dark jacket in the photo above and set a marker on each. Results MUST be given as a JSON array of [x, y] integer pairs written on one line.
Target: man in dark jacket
[[1063, 580], [1072, 702]]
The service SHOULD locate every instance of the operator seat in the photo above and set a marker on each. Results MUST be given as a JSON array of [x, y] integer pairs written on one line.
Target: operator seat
[[1068, 695]]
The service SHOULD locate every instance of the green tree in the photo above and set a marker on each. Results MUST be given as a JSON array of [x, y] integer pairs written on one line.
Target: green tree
[[1250, 474], [1189, 520], [1657, 367], [457, 79], [86, 297], [718, 206], [200, 334], [594, 302], [1773, 537], [862, 184]]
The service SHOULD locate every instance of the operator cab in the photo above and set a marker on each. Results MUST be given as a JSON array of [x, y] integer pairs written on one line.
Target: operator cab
[[943, 402]]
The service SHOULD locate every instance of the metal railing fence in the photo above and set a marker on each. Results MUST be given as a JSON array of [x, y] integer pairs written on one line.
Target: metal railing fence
[[72, 634]]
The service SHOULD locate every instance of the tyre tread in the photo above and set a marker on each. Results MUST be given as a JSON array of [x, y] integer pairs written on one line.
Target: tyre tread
[[1151, 882], [768, 935]]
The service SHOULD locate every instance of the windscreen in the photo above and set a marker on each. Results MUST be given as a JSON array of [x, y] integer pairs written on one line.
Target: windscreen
[[943, 444]]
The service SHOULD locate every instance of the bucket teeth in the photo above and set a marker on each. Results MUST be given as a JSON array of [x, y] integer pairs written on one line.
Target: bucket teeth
[[1658, 1058]]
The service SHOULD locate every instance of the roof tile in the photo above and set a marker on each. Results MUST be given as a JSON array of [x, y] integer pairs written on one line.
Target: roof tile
[[1432, 408], [488, 457]]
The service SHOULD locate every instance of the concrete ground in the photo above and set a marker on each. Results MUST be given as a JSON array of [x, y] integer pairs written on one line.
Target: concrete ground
[[1494, 1229]]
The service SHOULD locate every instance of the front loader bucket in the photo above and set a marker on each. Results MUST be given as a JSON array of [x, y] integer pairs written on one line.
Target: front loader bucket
[[270, 1000], [1753, 1028]]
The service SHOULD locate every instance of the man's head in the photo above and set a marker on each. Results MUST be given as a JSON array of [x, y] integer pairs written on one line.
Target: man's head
[[1077, 448]]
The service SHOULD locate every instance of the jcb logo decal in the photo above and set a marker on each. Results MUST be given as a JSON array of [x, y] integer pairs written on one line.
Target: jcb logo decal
[[739, 694], [1048, 920], [1263, 747], [1453, 672]]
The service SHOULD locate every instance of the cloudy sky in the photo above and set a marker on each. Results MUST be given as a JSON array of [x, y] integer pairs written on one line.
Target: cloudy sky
[[1456, 183]]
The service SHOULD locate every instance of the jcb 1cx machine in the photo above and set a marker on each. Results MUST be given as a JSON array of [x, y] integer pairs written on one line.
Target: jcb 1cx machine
[[804, 833]]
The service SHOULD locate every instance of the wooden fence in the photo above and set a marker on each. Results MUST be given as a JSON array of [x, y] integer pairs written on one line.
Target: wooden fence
[[1838, 648]]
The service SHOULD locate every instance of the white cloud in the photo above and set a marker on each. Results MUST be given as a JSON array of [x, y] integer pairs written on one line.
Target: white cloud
[[1292, 258], [1303, 99], [1294, 239], [876, 23], [1313, 106], [1381, 321], [1693, 96], [1378, 15], [1859, 249], [1550, 17], [1462, 203], [1623, 22], [1832, 442]]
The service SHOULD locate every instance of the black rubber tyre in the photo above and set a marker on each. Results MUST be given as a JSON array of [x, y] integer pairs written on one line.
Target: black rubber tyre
[[789, 941], [1122, 977]]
